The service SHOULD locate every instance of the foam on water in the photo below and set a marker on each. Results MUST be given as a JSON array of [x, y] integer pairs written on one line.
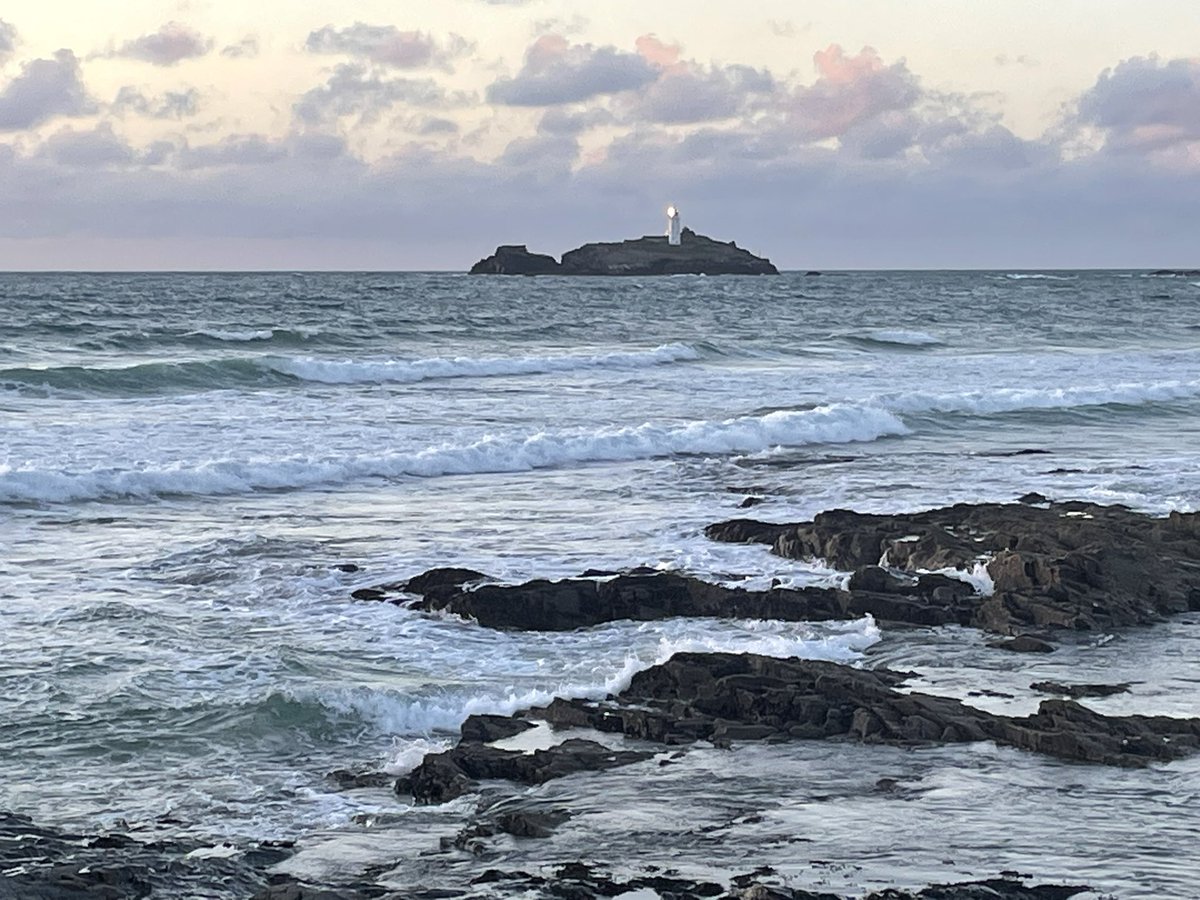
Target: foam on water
[[1004, 400], [264, 334], [747, 434], [328, 371], [900, 337], [604, 666]]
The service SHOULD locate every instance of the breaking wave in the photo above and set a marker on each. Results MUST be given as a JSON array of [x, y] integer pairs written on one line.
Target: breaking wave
[[447, 709], [329, 371], [547, 449], [897, 338]]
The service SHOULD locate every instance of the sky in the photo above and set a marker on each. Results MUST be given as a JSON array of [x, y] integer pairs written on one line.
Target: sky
[[419, 134]]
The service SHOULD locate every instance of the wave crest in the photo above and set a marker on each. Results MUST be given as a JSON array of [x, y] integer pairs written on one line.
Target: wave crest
[[543, 450]]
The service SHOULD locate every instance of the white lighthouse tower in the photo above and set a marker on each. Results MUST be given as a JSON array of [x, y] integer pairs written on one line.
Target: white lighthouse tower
[[674, 227]]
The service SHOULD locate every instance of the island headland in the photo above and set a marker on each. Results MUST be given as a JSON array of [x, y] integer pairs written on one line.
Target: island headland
[[694, 254]]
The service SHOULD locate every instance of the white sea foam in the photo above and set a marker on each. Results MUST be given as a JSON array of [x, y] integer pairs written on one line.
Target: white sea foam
[[491, 454], [405, 371], [977, 576], [1001, 400], [904, 338], [264, 334], [597, 678], [1037, 276]]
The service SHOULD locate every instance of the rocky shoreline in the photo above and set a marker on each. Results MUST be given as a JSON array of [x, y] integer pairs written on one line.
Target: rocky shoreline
[[1036, 574]]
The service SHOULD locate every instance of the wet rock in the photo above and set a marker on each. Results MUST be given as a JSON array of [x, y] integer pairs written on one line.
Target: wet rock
[[644, 595], [440, 579], [452, 773], [694, 697], [583, 881], [880, 580], [1033, 497], [1079, 691], [1071, 565], [46, 864], [347, 779], [751, 501], [1023, 643], [482, 728], [368, 593]]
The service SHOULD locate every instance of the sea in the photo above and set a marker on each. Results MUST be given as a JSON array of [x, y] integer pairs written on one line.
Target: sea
[[196, 471]]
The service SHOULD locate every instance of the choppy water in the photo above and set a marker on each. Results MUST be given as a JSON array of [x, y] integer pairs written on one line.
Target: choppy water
[[186, 459]]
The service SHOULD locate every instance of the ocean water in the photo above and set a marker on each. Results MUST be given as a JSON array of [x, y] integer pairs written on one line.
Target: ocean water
[[187, 462]]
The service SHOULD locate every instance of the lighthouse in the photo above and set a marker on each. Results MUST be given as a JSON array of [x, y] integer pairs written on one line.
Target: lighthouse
[[674, 228]]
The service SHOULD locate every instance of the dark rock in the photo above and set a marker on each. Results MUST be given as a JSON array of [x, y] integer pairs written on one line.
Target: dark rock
[[582, 602], [347, 779], [515, 259], [452, 773], [369, 594], [695, 255], [40, 863], [1072, 565], [1080, 691], [347, 567], [696, 696], [1033, 497], [436, 579], [751, 501], [1023, 643], [484, 729], [880, 580], [1176, 273], [812, 272]]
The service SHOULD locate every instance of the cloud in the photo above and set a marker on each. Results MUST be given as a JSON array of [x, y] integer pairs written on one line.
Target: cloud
[[356, 90], [246, 48], [170, 105], [171, 44], [851, 90], [386, 45], [45, 88], [234, 151], [96, 148], [1144, 104], [8, 41], [689, 93], [556, 71]]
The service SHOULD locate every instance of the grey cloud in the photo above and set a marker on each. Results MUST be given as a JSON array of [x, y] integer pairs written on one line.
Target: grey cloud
[[557, 72], [8, 40], [235, 150], [170, 105], [1145, 103], [45, 88], [560, 121], [355, 90], [433, 125], [87, 149], [246, 48], [545, 153], [883, 137], [171, 44], [386, 45], [693, 94], [807, 207]]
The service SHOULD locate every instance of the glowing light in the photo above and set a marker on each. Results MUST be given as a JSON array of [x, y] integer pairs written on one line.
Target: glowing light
[[671, 212]]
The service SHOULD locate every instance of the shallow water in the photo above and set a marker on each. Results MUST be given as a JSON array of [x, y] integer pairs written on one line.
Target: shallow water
[[186, 459]]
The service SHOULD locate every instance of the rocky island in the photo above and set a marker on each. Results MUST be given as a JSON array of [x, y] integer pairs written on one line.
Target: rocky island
[[694, 254]]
